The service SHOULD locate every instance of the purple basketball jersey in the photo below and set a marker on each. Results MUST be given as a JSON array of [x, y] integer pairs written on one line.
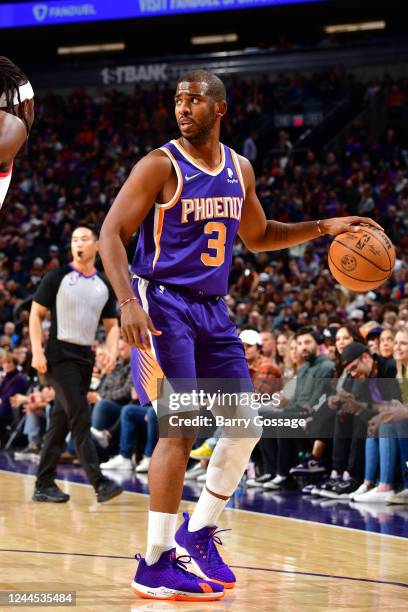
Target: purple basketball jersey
[[189, 240]]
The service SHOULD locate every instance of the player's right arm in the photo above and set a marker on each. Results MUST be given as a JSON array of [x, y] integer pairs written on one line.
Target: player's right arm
[[259, 234], [147, 183], [37, 315], [13, 135]]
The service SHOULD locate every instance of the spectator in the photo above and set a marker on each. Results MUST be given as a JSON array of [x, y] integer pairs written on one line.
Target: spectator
[[377, 378], [265, 375], [398, 425], [342, 443], [34, 405], [312, 382], [371, 332], [281, 348], [268, 344], [386, 343], [132, 417], [249, 148], [10, 331], [12, 382], [112, 394], [293, 361]]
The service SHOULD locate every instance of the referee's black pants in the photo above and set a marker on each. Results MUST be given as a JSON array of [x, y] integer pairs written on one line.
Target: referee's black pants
[[70, 380]]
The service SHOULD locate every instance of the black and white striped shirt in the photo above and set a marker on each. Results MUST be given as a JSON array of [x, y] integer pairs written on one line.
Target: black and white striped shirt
[[77, 303]]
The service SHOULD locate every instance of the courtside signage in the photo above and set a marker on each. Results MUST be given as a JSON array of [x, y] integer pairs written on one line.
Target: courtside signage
[[28, 14]]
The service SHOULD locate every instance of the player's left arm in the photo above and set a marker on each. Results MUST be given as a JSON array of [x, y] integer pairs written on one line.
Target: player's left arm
[[112, 333], [260, 234]]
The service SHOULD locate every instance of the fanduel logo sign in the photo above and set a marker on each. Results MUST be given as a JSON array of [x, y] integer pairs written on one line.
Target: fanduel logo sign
[[42, 11]]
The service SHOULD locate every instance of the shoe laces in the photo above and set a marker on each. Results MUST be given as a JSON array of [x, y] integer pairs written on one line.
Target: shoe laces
[[212, 550], [179, 564]]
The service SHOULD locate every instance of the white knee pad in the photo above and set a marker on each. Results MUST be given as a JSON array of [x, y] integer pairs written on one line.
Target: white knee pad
[[227, 464]]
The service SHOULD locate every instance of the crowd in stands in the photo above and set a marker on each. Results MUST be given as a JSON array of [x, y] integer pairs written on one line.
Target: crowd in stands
[[80, 151]]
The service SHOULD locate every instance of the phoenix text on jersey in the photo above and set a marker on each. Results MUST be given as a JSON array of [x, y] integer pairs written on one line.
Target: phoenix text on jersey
[[211, 208]]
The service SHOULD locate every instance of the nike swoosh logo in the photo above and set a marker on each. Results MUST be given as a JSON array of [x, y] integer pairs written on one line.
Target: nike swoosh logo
[[190, 178]]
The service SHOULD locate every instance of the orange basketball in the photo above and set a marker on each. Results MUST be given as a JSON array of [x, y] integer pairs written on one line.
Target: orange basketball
[[362, 260]]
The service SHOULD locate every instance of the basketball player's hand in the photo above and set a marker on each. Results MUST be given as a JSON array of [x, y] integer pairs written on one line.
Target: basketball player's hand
[[39, 362], [136, 325], [338, 225]]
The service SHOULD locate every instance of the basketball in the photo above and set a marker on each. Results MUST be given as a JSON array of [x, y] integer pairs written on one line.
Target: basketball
[[362, 260]]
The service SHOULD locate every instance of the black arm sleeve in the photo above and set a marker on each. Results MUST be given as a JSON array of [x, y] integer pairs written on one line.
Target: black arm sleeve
[[48, 288]]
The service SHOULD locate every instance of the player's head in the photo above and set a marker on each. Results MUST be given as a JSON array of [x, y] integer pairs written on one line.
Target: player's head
[[84, 243], [200, 104], [16, 93]]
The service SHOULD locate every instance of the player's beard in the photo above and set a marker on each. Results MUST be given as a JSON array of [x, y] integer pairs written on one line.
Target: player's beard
[[203, 130]]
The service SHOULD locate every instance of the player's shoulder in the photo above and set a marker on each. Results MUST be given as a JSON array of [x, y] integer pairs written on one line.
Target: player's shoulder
[[157, 156], [156, 161], [12, 136], [247, 171], [244, 163]]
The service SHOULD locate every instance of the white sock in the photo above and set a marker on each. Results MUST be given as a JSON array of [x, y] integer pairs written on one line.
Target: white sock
[[160, 535], [207, 511], [346, 475], [334, 474]]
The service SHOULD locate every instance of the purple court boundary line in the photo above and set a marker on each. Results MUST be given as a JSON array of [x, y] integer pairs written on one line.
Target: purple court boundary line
[[402, 585]]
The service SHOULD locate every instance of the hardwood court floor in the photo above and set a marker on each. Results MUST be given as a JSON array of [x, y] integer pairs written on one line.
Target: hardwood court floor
[[281, 565]]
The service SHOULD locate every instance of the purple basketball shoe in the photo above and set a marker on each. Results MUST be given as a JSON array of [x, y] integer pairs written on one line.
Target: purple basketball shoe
[[206, 560], [168, 578]]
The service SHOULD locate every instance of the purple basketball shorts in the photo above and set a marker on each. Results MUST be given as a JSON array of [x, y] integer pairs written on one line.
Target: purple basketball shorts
[[198, 341]]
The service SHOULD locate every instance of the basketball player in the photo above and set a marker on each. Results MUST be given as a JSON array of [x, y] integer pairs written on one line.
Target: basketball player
[[16, 118], [189, 199]]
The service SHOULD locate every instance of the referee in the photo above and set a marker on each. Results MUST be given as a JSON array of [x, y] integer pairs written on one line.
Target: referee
[[78, 297]]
